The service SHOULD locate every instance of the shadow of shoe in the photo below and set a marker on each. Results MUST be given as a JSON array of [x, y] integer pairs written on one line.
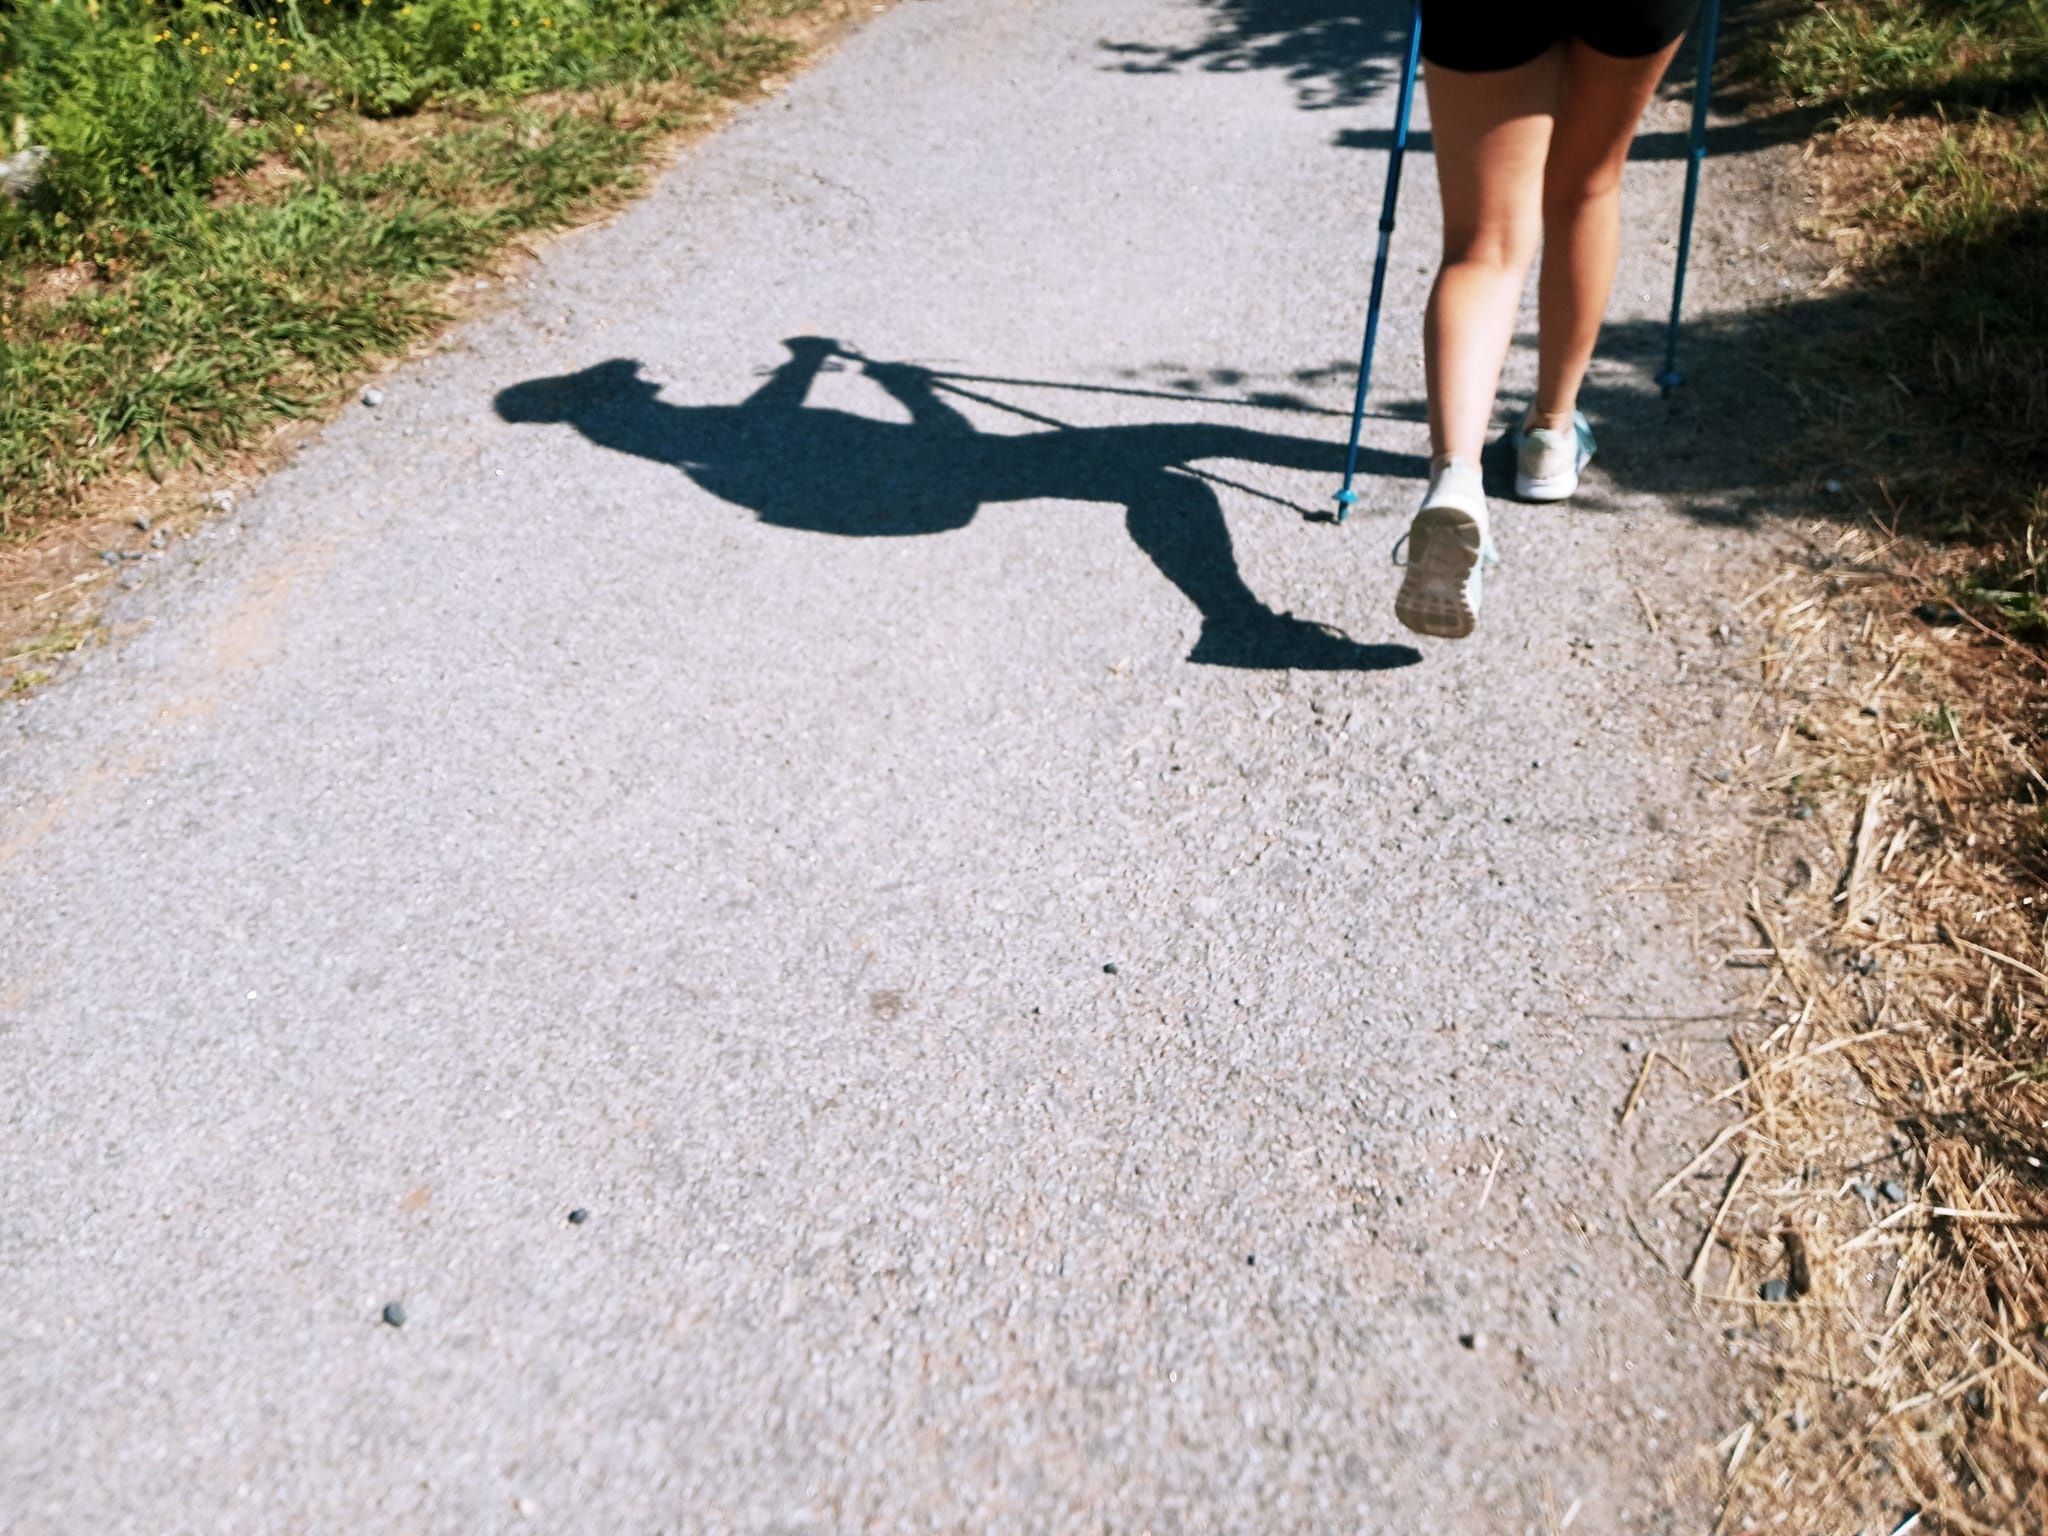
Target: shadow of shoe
[[1282, 643]]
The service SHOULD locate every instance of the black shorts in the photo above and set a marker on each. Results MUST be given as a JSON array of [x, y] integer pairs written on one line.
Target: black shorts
[[1479, 35]]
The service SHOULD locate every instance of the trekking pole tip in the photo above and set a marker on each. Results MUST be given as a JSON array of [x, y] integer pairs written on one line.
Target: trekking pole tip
[[1346, 500], [1669, 380]]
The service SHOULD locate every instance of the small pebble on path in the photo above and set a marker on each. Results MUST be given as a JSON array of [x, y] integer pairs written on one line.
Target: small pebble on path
[[394, 1314]]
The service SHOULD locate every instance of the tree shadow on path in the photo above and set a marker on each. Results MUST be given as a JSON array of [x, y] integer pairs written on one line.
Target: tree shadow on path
[[1336, 53], [1342, 54], [832, 472]]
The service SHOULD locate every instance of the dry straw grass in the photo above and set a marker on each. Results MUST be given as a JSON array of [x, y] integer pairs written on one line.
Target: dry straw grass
[[1884, 1221]]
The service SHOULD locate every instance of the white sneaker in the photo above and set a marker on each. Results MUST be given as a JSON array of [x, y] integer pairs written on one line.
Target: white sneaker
[[1447, 547], [1548, 462]]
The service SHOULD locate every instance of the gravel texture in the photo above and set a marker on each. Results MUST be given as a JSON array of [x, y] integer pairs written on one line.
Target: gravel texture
[[1032, 1080]]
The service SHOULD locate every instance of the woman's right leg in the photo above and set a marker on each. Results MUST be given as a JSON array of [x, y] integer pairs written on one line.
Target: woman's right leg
[[1492, 133], [1602, 100]]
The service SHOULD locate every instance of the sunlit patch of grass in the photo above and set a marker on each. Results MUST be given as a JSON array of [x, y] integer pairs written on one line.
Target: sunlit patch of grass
[[1896, 57], [1937, 164]]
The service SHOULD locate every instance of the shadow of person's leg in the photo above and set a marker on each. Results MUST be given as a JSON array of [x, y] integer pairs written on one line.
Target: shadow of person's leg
[[1179, 525]]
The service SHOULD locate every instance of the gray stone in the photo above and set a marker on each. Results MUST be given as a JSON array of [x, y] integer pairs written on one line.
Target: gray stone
[[21, 173]]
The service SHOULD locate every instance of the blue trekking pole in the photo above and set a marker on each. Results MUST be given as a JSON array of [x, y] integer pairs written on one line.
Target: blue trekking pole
[[1696, 154], [1347, 496]]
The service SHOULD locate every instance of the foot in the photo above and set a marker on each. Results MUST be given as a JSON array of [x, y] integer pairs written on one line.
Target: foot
[[1548, 460], [1445, 550]]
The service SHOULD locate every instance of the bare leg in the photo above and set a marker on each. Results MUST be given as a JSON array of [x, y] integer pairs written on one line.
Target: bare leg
[[1492, 132], [1601, 101]]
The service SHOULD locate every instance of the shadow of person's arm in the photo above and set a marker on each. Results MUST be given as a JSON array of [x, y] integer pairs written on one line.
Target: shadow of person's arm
[[914, 389], [790, 384]]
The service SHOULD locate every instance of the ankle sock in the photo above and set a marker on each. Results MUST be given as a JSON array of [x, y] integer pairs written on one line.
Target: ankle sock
[[1451, 472]]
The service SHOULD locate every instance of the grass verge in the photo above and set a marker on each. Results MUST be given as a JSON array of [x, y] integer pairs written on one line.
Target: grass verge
[[1887, 1211], [219, 212], [216, 217]]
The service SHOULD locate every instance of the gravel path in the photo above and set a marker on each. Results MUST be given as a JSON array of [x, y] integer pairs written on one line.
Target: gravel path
[[1039, 1040]]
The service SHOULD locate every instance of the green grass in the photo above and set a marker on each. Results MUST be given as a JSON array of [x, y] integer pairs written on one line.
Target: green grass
[[1942, 391], [1891, 57], [246, 203]]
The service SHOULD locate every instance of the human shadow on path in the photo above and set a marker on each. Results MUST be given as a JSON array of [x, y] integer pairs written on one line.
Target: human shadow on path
[[829, 471]]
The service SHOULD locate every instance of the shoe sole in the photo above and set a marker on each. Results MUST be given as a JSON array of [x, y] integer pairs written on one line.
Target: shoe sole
[[1443, 548], [1550, 488]]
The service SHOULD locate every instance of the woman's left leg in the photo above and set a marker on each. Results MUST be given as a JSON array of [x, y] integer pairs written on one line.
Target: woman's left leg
[[1492, 130]]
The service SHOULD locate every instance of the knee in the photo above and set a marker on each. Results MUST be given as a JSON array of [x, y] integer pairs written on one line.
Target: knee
[[1506, 244], [1571, 196]]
